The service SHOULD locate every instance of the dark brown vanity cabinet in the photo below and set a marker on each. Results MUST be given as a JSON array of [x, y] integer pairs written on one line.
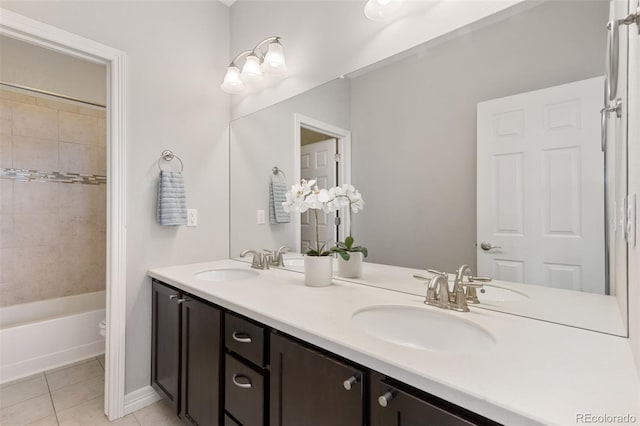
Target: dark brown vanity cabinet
[[394, 404], [186, 354], [312, 389], [268, 378]]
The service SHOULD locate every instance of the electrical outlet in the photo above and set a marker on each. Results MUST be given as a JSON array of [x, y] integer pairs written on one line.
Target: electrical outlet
[[192, 217], [260, 217]]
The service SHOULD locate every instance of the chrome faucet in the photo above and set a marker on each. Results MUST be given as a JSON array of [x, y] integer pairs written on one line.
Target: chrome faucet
[[438, 293], [464, 293], [277, 256], [437, 289], [260, 260]]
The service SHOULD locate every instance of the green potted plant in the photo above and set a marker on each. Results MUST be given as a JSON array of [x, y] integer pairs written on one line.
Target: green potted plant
[[350, 257]]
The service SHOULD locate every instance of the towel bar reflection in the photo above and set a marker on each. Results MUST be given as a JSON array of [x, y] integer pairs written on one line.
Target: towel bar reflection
[[277, 170], [168, 155]]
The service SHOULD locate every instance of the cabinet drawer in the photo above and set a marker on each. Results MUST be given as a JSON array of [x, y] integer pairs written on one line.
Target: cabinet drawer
[[244, 392], [244, 338]]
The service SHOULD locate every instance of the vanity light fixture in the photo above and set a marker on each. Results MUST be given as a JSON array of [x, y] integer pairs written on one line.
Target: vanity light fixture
[[382, 10], [256, 64]]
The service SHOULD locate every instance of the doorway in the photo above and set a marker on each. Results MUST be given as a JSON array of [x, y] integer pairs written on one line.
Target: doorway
[[43, 35], [322, 153]]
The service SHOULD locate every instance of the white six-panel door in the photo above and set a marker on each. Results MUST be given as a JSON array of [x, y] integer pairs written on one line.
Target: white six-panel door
[[540, 187], [317, 161]]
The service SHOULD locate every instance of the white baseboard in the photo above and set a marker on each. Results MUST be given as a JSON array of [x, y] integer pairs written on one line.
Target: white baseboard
[[139, 398], [50, 361]]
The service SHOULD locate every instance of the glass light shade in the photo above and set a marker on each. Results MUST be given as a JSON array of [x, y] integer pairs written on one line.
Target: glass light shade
[[251, 71], [274, 62], [381, 10], [232, 83]]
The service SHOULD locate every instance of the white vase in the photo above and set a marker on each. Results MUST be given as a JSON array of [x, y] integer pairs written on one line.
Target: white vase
[[351, 268], [318, 270]]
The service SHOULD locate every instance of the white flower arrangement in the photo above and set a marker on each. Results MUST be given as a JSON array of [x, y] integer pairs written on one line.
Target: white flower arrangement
[[306, 195]]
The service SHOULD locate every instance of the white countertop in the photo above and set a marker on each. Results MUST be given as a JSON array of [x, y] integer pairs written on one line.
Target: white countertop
[[538, 372]]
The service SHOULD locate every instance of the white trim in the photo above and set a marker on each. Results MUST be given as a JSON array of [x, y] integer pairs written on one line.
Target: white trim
[[31, 366], [44, 35], [133, 401], [344, 148]]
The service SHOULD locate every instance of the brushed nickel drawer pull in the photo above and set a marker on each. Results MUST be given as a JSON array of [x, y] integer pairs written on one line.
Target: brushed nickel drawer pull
[[241, 385], [241, 337]]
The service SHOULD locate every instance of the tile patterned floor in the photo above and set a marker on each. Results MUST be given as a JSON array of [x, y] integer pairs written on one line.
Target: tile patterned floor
[[72, 395]]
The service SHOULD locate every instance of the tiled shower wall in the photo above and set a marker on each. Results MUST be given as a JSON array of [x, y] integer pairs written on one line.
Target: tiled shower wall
[[52, 234]]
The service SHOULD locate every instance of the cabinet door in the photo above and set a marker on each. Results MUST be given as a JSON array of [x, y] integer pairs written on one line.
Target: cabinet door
[[391, 406], [201, 356], [165, 343], [307, 388]]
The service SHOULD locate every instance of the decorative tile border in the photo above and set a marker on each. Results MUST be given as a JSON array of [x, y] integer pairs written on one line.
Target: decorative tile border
[[23, 175]]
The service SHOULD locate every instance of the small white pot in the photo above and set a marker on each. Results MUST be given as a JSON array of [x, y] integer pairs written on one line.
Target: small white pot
[[351, 268], [318, 270]]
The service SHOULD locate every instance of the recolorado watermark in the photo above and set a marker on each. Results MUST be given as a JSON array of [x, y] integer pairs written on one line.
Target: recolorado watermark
[[591, 418]]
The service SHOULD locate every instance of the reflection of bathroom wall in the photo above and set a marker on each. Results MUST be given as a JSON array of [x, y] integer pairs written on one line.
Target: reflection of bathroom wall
[[52, 240], [433, 97], [263, 140]]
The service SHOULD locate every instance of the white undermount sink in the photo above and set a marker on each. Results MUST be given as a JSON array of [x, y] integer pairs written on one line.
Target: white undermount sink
[[492, 293], [225, 274], [424, 328]]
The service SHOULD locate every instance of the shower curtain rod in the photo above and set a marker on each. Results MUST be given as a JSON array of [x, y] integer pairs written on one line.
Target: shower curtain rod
[[44, 92]]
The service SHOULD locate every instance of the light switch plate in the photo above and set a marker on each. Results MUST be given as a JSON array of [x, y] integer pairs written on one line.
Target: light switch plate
[[260, 217], [192, 217]]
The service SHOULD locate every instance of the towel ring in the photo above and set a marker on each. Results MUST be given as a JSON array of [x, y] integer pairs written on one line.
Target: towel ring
[[277, 170], [168, 155]]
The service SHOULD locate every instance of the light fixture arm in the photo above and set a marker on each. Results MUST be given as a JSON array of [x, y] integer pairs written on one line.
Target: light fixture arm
[[267, 40], [238, 56], [256, 50]]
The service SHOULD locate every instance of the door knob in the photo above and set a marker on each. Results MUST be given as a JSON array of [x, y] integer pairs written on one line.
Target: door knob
[[486, 246]]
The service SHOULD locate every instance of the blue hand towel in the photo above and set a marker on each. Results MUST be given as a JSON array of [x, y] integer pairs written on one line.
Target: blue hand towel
[[277, 196], [172, 199]]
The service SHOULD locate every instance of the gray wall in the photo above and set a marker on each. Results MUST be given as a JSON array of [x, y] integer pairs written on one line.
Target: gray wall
[[265, 139], [177, 53], [33, 66], [414, 127]]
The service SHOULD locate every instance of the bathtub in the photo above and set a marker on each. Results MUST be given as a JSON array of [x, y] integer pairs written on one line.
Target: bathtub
[[38, 336]]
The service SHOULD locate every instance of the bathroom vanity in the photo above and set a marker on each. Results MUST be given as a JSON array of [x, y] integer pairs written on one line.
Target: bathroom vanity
[[243, 347]]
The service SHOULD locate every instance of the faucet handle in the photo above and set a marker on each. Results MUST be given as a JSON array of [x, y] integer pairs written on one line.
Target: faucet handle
[[434, 272], [266, 259], [421, 277], [284, 249], [479, 279]]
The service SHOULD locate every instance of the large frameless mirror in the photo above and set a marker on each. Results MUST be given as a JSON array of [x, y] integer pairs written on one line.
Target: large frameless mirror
[[484, 147]]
